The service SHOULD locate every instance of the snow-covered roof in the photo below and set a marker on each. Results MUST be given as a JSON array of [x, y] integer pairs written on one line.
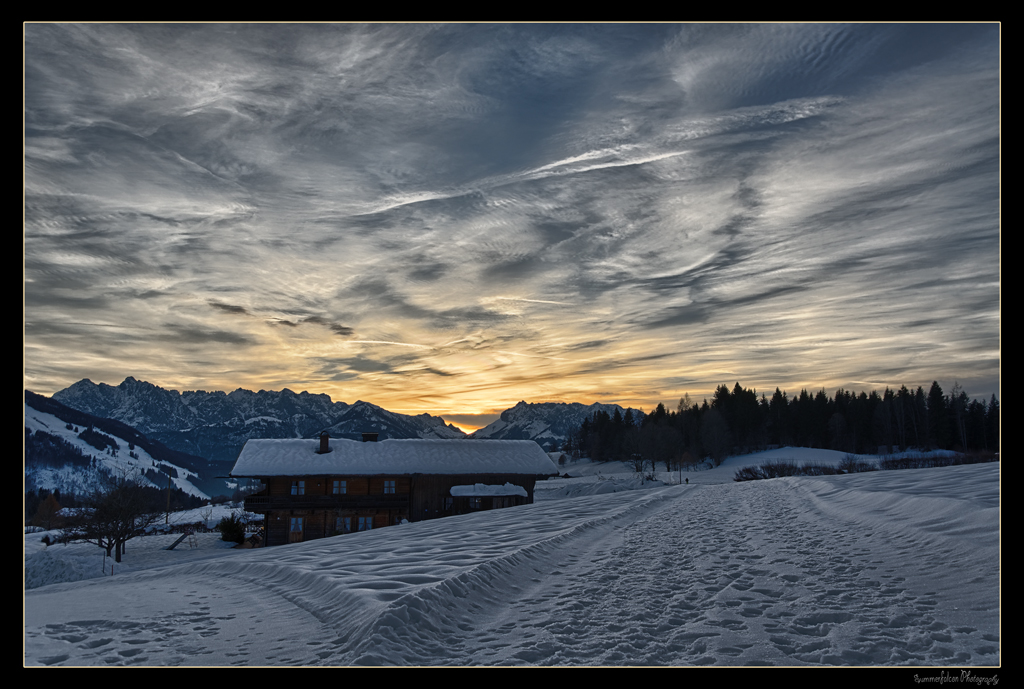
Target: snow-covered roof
[[297, 457], [481, 489]]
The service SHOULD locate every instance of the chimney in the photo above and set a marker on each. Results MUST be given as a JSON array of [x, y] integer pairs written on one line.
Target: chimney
[[324, 444], [370, 437]]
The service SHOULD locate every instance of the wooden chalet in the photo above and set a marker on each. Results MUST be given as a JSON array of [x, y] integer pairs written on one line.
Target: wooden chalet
[[313, 489]]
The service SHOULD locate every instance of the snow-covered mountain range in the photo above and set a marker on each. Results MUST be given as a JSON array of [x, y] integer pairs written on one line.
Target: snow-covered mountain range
[[549, 423], [363, 417], [215, 424]]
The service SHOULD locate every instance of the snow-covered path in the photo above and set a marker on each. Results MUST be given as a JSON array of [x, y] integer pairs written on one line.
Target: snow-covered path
[[887, 568], [787, 579]]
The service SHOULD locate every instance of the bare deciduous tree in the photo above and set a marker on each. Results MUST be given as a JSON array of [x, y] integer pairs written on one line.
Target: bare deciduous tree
[[116, 513]]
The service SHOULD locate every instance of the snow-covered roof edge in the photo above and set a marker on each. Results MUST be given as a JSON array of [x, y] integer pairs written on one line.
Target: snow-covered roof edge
[[299, 457]]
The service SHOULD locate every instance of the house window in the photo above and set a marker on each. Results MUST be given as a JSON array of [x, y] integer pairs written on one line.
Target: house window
[[389, 486], [298, 487], [295, 532], [343, 525], [475, 503], [365, 523], [448, 503], [340, 487]]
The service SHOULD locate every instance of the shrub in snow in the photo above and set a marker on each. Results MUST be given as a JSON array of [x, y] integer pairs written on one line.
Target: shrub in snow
[[851, 464], [935, 459], [783, 468], [232, 529], [817, 469]]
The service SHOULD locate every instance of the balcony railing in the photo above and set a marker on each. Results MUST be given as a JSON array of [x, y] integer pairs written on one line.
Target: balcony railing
[[263, 503]]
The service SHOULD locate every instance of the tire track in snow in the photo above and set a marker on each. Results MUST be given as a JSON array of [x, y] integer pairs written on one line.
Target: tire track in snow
[[745, 574]]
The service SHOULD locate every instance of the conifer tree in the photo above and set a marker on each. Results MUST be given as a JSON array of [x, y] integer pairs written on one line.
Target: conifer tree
[[992, 423], [938, 423]]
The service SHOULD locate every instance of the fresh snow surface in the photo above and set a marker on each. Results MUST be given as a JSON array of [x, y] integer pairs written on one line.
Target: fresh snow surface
[[880, 568]]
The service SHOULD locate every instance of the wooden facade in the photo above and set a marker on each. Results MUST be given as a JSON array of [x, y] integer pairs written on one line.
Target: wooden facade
[[304, 507]]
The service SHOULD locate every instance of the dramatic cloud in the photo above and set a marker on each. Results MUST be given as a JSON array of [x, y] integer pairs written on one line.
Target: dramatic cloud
[[455, 218]]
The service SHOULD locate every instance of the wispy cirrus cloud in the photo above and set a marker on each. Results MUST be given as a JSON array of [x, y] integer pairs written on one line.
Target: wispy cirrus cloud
[[467, 216]]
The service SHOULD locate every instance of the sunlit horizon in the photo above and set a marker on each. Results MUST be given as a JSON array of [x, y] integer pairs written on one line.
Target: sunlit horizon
[[471, 419]]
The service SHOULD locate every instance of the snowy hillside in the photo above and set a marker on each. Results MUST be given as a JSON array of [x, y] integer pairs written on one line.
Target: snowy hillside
[[835, 570], [81, 480]]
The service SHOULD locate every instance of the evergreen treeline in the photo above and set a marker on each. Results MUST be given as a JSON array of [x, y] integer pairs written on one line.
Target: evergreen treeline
[[98, 440], [153, 500], [737, 421], [47, 450], [33, 499]]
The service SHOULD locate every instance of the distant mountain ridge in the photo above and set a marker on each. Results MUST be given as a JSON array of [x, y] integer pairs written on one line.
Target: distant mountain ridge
[[215, 425], [363, 417], [153, 409], [548, 423]]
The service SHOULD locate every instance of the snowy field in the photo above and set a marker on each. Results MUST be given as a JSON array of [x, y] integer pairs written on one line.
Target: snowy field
[[76, 561], [881, 568]]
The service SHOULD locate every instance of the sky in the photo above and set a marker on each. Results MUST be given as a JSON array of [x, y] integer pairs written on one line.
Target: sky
[[453, 218]]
